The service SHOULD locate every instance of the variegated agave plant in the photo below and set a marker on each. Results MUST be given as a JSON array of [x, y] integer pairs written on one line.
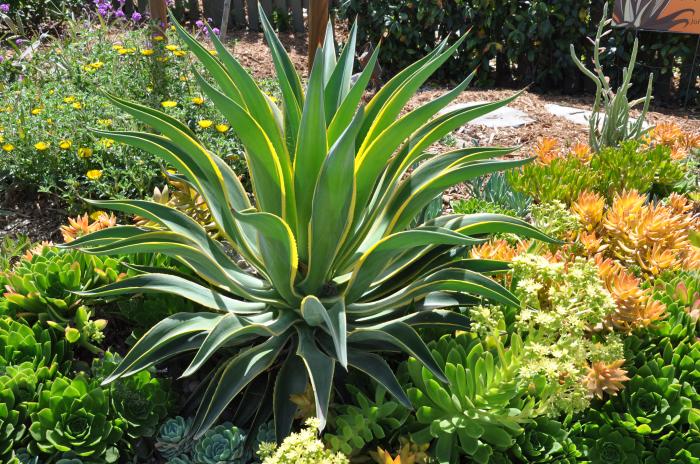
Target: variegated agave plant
[[333, 276]]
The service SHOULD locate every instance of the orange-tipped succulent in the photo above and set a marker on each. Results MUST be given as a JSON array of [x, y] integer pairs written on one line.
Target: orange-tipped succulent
[[499, 249], [36, 250], [582, 152], [669, 134], [589, 208], [546, 150], [605, 378], [410, 453], [83, 225]]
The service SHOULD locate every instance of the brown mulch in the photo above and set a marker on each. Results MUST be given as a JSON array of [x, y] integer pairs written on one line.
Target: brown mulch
[[37, 217]]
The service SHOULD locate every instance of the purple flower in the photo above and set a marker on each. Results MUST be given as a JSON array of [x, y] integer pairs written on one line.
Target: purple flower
[[136, 16], [119, 13], [216, 31], [199, 23], [19, 41], [2, 58], [5, 7]]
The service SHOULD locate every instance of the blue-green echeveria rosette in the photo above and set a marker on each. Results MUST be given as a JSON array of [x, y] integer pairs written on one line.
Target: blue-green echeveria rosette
[[172, 439], [224, 444], [72, 418]]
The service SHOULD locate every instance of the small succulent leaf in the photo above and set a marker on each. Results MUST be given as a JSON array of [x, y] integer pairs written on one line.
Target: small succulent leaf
[[320, 369], [329, 54], [375, 366], [232, 378], [165, 339]]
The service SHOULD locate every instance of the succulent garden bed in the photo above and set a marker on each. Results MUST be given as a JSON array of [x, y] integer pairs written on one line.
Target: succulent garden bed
[[301, 269]]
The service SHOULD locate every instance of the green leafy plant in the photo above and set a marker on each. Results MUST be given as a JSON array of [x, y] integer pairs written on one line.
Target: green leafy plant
[[301, 448], [476, 205], [544, 441], [610, 121], [605, 444], [20, 343], [72, 416], [330, 274], [496, 189], [172, 439], [13, 412], [42, 288], [482, 409], [563, 179], [355, 426], [140, 401], [221, 444], [555, 219]]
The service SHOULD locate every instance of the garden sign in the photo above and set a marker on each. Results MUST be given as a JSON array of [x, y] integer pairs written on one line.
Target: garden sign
[[659, 15]]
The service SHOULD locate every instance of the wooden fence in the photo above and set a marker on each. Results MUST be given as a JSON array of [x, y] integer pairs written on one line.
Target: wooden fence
[[287, 14]]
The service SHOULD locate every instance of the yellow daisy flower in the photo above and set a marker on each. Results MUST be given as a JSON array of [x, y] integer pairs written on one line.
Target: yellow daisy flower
[[93, 174], [8, 147], [36, 111], [205, 123], [147, 52], [117, 47], [77, 105], [197, 100], [41, 146], [169, 104], [104, 122], [159, 38], [213, 52], [106, 143], [69, 99], [179, 53], [84, 152], [65, 144], [222, 128], [171, 47]]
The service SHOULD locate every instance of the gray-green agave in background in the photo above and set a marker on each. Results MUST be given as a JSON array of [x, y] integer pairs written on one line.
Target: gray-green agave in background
[[334, 275]]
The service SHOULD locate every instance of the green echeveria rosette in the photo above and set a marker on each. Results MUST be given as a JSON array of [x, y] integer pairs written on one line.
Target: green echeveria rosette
[[20, 343], [172, 439], [605, 444], [141, 400], [544, 441], [12, 429], [224, 444], [675, 449], [72, 416], [651, 403]]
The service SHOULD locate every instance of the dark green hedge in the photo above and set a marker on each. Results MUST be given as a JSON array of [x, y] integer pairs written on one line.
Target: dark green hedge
[[515, 42]]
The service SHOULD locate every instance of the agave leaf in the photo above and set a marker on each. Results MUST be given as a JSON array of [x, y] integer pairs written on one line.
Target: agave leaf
[[338, 84], [332, 320], [320, 369], [291, 380], [231, 378], [379, 370]]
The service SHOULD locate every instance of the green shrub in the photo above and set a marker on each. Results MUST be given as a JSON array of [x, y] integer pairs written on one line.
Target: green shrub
[[46, 117], [483, 407], [72, 416], [356, 425], [632, 165], [315, 290]]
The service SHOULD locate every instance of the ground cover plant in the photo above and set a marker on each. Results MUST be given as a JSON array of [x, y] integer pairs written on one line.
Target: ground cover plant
[[311, 302]]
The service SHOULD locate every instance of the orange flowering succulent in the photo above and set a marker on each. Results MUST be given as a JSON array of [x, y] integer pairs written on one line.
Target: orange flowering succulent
[[499, 249], [605, 378], [582, 152], [546, 150], [82, 225], [669, 134]]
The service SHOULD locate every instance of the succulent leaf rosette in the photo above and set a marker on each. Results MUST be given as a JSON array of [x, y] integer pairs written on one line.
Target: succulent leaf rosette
[[223, 444], [326, 268], [72, 416], [544, 441], [481, 410], [606, 444], [172, 438], [20, 343], [12, 428]]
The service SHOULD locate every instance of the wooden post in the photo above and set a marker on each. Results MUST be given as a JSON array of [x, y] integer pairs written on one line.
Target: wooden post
[[159, 11], [318, 19], [253, 16], [224, 18]]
